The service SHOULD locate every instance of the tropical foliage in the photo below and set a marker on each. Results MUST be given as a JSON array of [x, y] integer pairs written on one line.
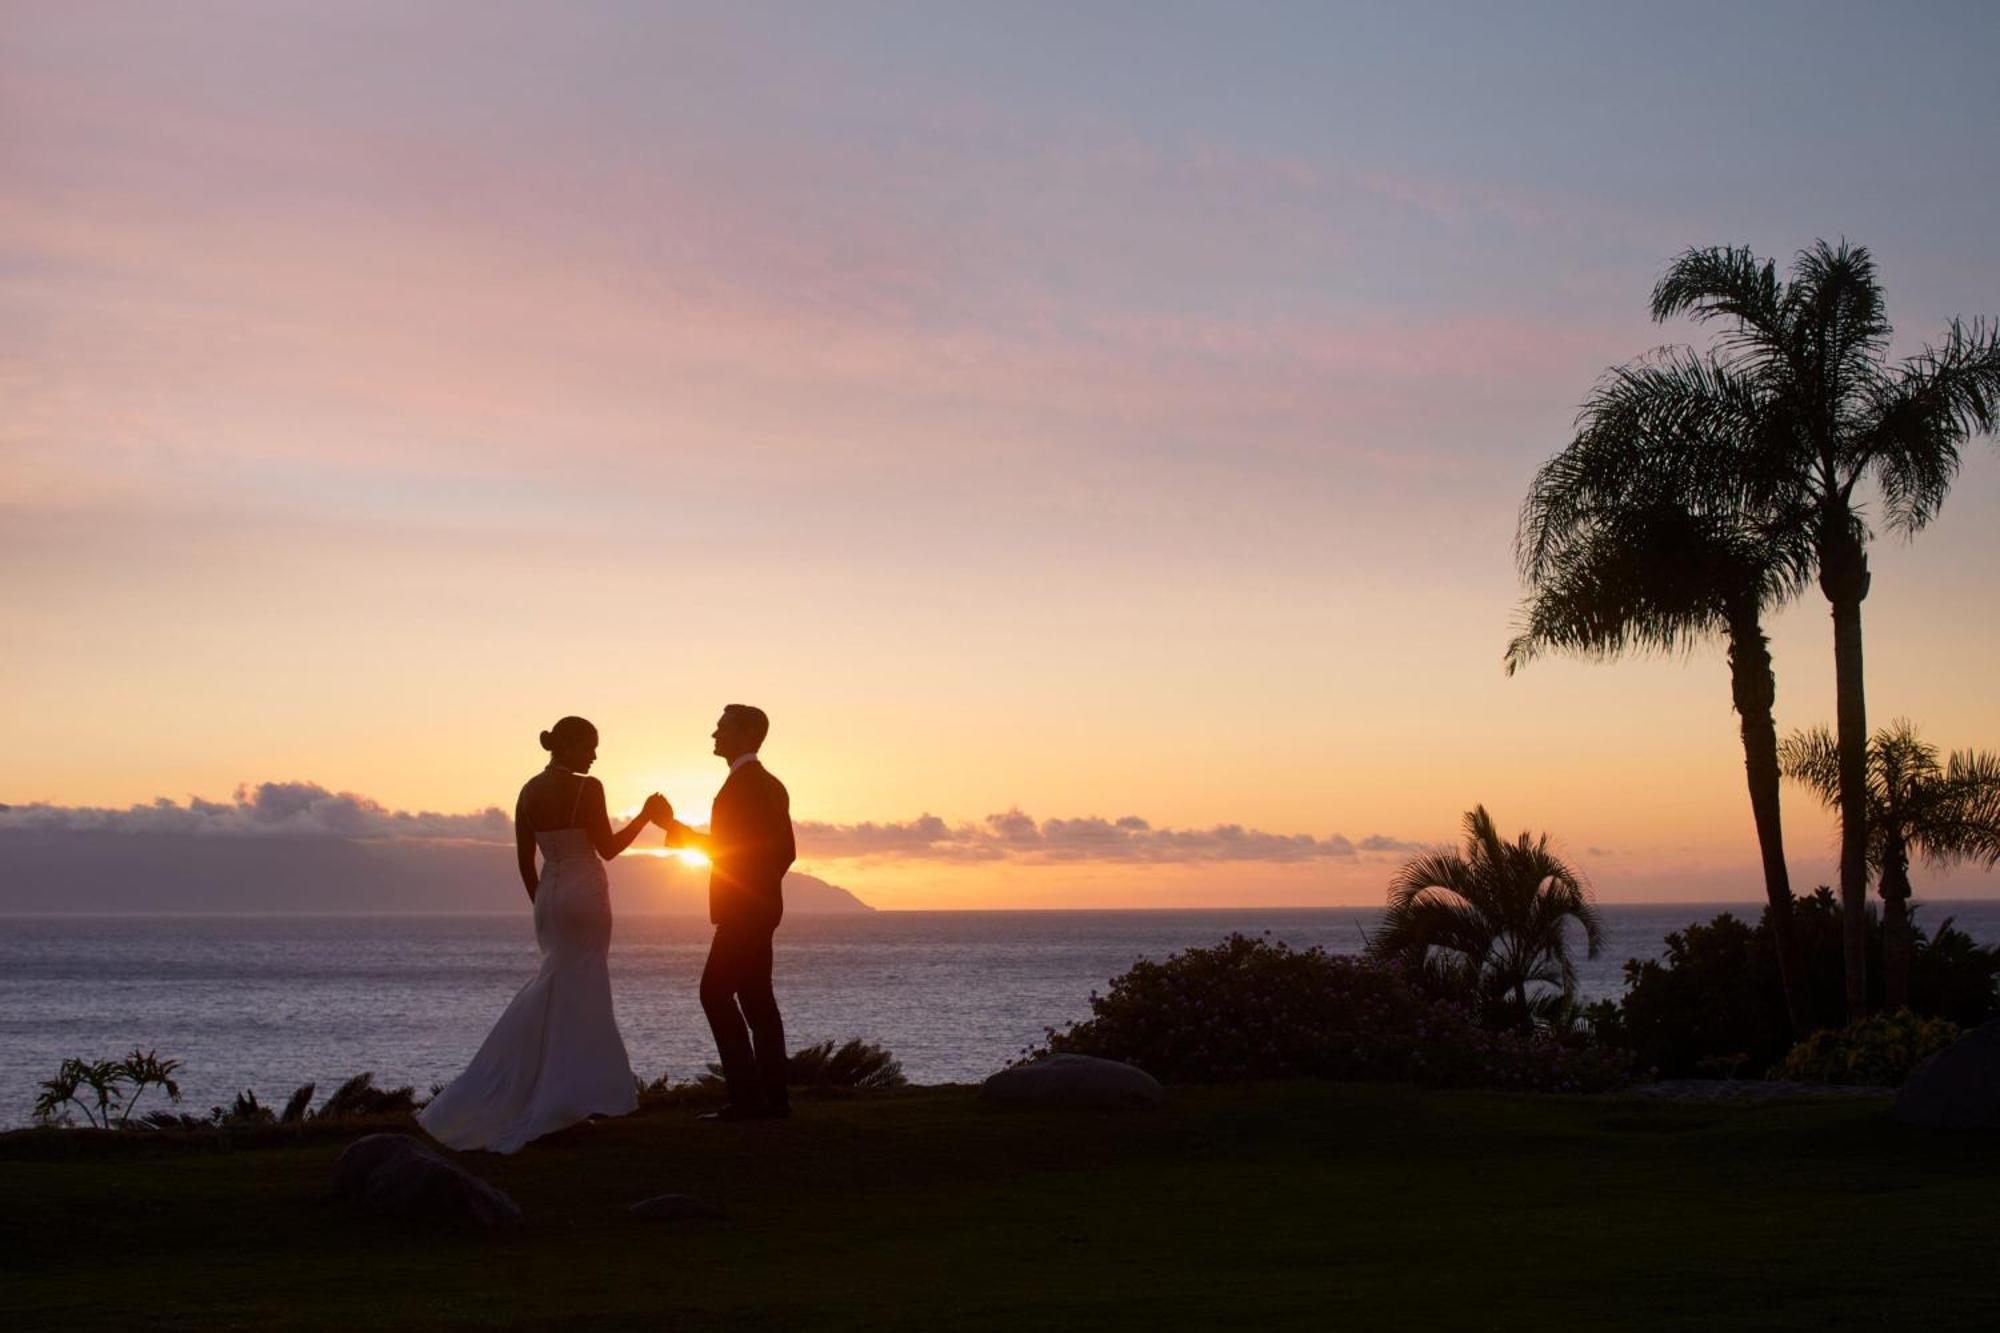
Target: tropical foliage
[[1945, 812], [1881, 1049], [1631, 569], [1795, 422], [1819, 412], [855, 1064], [105, 1092], [1489, 926], [1255, 1009], [1713, 1005]]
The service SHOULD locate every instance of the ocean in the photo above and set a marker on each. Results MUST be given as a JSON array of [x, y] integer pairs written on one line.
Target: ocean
[[270, 1002]]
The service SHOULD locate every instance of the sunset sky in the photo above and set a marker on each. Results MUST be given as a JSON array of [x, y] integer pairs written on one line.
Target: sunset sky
[[1070, 412]]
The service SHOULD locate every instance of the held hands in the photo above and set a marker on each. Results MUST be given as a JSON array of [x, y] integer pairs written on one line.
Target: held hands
[[658, 809]]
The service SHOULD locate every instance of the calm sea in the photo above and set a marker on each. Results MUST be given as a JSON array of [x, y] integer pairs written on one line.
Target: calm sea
[[269, 1002]]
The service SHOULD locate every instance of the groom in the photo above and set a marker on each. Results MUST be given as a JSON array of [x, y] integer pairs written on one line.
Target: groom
[[749, 847]]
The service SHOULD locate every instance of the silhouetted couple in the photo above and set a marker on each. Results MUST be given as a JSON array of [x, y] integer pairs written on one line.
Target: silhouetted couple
[[555, 1056]]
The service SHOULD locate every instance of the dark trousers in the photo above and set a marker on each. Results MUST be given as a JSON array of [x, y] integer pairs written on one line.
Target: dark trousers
[[743, 1014]]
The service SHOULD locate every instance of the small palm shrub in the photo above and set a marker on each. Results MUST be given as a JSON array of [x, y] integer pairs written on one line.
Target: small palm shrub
[[1488, 927], [854, 1065], [1256, 1009], [98, 1088], [359, 1097], [104, 1093], [857, 1064], [1881, 1049]]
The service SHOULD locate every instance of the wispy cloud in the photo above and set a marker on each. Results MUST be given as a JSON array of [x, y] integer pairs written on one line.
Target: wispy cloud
[[1016, 836], [269, 809], [1381, 842]]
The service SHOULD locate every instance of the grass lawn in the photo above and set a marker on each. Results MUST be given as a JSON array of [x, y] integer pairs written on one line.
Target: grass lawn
[[1300, 1205]]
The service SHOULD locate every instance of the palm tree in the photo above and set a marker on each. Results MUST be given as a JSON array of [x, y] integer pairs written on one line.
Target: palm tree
[[1492, 918], [1634, 570], [1834, 414], [1947, 812]]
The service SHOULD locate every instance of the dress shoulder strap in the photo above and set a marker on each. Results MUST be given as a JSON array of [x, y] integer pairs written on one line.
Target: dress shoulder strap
[[576, 800]]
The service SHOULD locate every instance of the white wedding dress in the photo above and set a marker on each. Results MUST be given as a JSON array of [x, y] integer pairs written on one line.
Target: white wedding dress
[[555, 1056]]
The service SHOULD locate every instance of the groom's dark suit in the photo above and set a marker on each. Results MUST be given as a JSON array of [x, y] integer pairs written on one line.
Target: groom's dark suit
[[750, 848]]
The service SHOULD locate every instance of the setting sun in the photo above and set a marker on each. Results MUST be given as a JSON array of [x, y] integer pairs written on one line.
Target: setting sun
[[687, 856]]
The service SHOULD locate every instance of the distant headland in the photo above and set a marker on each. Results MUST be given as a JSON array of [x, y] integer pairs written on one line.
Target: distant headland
[[72, 871]]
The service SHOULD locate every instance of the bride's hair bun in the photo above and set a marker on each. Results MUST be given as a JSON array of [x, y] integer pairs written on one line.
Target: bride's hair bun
[[569, 731]]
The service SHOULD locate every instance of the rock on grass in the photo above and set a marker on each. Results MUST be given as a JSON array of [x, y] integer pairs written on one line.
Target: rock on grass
[[1959, 1087], [1073, 1080], [394, 1175]]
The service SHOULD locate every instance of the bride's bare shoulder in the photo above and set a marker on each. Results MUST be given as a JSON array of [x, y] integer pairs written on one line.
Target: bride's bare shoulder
[[533, 792]]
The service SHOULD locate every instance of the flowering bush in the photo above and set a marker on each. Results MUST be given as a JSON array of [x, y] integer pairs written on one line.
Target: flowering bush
[[1881, 1049], [1253, 1009]]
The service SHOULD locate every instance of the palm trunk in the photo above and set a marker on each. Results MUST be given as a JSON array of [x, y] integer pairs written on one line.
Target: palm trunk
[[1755, 687], [1843, 577], [1896, 926]]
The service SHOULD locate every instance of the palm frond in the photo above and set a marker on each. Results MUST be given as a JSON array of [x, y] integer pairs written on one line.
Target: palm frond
[[1840, 325], [1812, 759], [1725, 282], [1919, 415], [1965, 823], [297, 1105], [1666, 432], [1489, 919]]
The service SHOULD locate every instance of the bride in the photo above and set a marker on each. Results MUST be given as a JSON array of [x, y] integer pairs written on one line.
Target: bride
[[555, 1056]]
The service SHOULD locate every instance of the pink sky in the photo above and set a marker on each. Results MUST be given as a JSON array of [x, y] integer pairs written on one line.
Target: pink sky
[[1032, 410]]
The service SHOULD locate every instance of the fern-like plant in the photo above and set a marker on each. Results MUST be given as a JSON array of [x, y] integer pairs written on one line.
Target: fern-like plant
[[114, 1088]]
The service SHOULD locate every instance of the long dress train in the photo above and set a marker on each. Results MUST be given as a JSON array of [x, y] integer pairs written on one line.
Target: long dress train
[[555, 1056]]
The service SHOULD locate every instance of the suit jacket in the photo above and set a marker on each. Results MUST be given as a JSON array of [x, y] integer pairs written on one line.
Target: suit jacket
[[750, 848]]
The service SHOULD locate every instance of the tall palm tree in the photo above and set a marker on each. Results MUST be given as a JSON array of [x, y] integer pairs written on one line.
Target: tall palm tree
[[1634, 570], [1947, 812], [1835, 415], [1493, 917]]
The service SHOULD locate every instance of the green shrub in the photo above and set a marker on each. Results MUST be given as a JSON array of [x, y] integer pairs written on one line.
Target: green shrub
[[1254, 1009], [1713, 1006], [1881, 1049]]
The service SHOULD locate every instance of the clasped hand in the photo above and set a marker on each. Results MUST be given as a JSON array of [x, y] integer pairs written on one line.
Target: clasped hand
[[658, 809]]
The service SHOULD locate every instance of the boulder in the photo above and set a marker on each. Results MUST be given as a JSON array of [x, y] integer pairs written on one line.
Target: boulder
[[678, 1208], [1959, 1087], [394, 1175], [1073, 1080]]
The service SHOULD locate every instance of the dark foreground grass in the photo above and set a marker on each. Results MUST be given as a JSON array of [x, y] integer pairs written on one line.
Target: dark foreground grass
[[1289, 1206]]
